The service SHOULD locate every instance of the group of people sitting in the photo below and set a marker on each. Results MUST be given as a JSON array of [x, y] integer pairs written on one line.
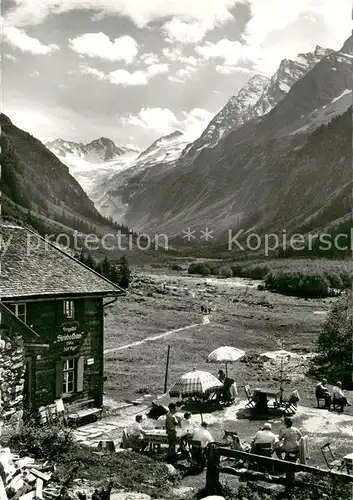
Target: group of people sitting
[[286, 445], [337, 398], [171, 422]]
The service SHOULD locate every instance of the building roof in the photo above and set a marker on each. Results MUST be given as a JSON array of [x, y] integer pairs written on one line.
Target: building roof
[[33, 267]]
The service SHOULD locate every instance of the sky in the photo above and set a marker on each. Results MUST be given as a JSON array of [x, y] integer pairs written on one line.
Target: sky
[[134, 70]]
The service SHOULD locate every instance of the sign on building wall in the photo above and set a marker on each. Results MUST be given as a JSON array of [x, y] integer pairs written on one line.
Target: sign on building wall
[[70, 337]]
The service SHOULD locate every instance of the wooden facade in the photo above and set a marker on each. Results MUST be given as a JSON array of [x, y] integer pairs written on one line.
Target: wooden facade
[[66, 359], [61, 322]]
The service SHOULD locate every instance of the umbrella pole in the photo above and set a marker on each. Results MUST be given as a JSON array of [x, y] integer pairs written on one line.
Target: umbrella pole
[[226, 369]]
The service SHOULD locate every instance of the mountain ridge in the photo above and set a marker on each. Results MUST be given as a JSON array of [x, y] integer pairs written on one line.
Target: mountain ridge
[[95, 151]]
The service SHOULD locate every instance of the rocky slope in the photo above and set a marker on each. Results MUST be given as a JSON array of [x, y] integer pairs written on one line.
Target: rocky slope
[[33, 177], [273, 172], [97, 151], [233, 114], [256, 98]]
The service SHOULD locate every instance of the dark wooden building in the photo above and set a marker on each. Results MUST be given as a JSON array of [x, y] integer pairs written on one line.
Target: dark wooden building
[[55, 304]]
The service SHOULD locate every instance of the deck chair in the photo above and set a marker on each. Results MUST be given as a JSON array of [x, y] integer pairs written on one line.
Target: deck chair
[[43, 415], [251, 402], [53, 415], [265, 450], [330, 460], [197, 454], [319, 397]]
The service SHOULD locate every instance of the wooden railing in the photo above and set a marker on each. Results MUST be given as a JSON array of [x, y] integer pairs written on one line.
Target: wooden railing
[[214, 469]]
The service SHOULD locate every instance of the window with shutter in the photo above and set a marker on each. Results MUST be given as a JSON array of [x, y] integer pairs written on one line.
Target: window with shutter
[[80, 370], [59, 377]]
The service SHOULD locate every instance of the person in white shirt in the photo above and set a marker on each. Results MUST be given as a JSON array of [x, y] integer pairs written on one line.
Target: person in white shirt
[[137, 433], [203, 435], [187, 423], [338, 396], [264, 436]]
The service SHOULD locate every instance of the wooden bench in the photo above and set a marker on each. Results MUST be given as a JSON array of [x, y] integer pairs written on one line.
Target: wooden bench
[[81, 410]]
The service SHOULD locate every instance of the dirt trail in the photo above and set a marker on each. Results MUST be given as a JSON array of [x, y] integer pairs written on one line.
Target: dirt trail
[[205, 321]]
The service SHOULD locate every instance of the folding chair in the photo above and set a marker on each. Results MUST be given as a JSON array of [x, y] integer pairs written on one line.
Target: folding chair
[[320, 397], [251, 402], [43, 415], [197, 454], [53, 415], [331, 462]]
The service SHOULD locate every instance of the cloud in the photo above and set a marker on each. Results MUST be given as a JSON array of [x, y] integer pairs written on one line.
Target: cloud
[[19, 39], [10, 56], [87, 70], [182, 75], [149, 58], [231, 52], [207, 13], [274, 23], [185, 32], [34, 73], [156, 69], [228, 70], [99, 45], [163, 121], [126, 78]]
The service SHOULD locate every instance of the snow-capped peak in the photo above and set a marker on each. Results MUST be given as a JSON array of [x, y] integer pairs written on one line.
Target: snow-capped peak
[[231, 115], [96, 151]]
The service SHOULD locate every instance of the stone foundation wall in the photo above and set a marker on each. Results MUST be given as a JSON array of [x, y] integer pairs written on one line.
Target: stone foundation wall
[[12, 373]]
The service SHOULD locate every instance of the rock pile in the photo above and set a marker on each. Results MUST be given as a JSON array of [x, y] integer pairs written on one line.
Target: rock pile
[[12, 372]]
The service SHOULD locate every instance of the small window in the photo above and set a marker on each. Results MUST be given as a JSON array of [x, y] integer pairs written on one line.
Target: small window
[[69, 309], [69, 376], [19, 310]]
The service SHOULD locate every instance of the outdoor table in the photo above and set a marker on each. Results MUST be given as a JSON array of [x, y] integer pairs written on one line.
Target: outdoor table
[[261, 395], [157, 437], [348, 461]]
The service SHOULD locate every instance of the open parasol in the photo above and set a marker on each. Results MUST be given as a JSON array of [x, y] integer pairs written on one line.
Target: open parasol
[[195, 384], [225, 355]]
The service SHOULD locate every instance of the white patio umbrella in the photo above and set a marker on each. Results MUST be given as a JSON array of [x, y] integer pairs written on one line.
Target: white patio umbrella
[[225, 355]]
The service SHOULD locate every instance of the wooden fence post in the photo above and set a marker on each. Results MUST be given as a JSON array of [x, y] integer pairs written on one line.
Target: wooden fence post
[[212, 473]]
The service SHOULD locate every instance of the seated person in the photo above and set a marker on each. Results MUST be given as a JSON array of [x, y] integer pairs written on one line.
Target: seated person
[[221, 376], [203, 435], [265, 436], [136, 434], [289, 438], [187, 423], [322, 392], [338, 396]]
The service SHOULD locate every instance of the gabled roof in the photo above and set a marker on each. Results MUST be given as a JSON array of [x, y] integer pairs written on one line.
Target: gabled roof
[[33, 267]]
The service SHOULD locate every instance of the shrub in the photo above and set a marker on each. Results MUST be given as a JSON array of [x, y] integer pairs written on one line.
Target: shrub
[[258, 271], [213, 267], [334, 359], [175, 267], [199, 268], [334, 280], [41, 443], [299, 284], [225, 272], [237, 271]]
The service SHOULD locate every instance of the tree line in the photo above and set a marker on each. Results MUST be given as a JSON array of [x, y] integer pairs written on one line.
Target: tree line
[[119, 274]]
